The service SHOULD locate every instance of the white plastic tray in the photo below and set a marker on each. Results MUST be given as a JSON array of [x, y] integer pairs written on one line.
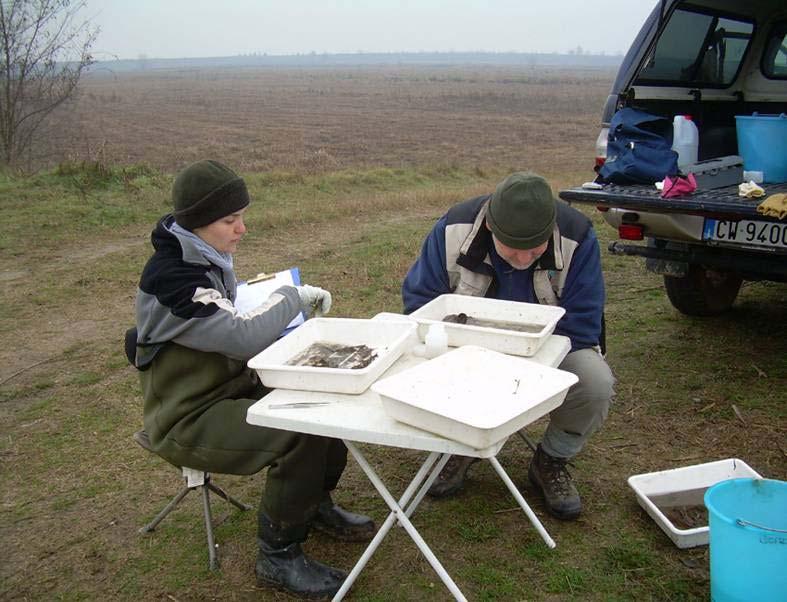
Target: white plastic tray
[[544, 318], [388, 338], [684, 486], [473, 395]]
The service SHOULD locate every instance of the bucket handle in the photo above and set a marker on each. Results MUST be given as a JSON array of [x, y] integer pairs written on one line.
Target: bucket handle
[[745, 523]]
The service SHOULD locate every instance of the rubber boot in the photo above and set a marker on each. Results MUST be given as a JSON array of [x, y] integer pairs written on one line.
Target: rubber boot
[[282, 564], [342, 524]]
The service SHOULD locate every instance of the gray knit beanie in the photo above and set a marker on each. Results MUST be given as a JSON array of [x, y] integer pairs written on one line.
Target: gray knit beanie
[[522, 211], [206, 191]]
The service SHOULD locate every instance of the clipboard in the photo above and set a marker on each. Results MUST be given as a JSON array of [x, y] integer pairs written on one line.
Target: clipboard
[[255, 291]]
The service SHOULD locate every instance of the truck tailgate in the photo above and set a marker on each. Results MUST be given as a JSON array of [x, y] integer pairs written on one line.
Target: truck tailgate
[[722, 203]]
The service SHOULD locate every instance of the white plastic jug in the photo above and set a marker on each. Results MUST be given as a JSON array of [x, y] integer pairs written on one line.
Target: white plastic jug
[[685, 140], [436, 340]]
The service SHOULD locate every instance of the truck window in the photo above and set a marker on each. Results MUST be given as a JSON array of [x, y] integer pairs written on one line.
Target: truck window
[[697, 49], [774, 59]]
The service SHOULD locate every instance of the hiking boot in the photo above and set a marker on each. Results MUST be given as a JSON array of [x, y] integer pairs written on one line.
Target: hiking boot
[[342, 524], [452, 478], [551, 477]]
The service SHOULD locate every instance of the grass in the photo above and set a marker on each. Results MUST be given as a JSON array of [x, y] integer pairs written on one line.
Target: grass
[[76, 488]]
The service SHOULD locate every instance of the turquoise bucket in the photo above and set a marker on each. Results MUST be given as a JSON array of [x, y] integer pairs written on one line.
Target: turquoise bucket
[[747, 521]]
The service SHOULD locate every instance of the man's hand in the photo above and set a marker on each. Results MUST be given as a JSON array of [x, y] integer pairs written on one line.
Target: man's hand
[[315, 300]]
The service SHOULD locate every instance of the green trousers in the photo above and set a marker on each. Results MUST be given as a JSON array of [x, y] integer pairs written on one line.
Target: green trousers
[[195, 416]]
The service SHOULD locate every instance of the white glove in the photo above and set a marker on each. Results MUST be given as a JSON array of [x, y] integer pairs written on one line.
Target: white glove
[[314, 300]]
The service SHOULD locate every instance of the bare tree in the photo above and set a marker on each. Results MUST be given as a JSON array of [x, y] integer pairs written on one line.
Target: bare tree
[[44, 49]]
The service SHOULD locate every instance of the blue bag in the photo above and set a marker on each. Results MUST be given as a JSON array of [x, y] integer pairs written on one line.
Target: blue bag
[[639, 149]]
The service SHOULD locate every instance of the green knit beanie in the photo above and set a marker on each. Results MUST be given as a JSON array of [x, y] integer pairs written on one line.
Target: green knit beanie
[[206, 191], [522, 211]]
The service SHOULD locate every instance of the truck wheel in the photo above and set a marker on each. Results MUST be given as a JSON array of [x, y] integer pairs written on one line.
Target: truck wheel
[[702, 292]]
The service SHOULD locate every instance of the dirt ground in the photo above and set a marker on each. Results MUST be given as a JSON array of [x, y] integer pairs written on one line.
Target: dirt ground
[[316, 120]]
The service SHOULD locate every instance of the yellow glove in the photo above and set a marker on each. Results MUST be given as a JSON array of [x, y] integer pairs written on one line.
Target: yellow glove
[[774, 206]]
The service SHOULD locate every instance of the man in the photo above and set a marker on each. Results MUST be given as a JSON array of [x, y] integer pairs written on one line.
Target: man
[[520, 244], [192, 346]]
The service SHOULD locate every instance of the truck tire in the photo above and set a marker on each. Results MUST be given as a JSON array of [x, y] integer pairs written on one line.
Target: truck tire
[[703, 292]]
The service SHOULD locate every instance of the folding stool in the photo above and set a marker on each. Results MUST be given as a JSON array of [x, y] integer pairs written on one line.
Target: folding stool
[[195, 480]]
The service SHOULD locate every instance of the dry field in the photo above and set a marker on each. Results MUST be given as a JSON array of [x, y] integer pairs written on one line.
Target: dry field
[[348, 170], [315, 120]]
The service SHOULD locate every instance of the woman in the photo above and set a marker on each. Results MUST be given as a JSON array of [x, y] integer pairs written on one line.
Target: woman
[[192, 349]]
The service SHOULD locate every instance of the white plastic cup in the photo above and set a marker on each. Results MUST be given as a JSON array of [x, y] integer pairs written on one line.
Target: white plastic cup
[[685, 140]]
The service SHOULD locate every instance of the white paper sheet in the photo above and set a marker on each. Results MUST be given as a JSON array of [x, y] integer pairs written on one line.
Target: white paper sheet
[[252, 294]]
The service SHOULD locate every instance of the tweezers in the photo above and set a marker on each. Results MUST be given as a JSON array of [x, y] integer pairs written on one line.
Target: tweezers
[[298, 404]]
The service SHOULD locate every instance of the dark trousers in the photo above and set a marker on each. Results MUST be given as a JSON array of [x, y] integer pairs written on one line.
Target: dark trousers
[[191, 423]]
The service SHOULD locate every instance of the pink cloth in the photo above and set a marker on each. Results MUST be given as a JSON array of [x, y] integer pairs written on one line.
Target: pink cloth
[[678, 186]]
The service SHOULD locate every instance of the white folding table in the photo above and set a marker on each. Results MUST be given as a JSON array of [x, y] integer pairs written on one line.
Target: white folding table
[[361, 419]]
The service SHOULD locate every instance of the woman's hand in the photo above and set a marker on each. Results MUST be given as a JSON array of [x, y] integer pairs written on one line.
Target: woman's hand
[[315, 300]]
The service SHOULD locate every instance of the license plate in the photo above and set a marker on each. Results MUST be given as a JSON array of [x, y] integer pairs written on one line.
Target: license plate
[[746, 232]]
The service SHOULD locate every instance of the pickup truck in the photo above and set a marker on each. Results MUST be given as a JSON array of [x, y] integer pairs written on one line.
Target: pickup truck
[[713, 60]]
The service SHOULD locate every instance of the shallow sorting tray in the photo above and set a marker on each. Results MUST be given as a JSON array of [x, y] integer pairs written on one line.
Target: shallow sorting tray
[[669, 493], [542, 319], [388, 339], [473, 395]]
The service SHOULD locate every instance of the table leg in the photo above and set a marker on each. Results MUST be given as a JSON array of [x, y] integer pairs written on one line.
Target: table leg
[[522, 503], [397, 513], [427, 484]]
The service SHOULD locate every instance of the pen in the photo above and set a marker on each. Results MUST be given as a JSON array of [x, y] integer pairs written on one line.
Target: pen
[[298, 404], [261, 278]]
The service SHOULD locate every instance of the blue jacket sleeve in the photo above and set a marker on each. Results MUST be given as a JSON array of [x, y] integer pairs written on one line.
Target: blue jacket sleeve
[[427, 277], [583, 296]]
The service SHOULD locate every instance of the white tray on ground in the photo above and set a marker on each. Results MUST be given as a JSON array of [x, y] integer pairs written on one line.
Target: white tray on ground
[[539, 319], [657, 492], [388, 339], [473, 395]]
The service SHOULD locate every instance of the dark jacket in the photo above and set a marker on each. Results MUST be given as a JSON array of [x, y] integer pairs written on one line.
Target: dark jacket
[[193, 345], [458, 256]]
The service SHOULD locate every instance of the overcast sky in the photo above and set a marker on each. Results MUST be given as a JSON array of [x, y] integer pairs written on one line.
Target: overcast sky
[[205, 28]]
